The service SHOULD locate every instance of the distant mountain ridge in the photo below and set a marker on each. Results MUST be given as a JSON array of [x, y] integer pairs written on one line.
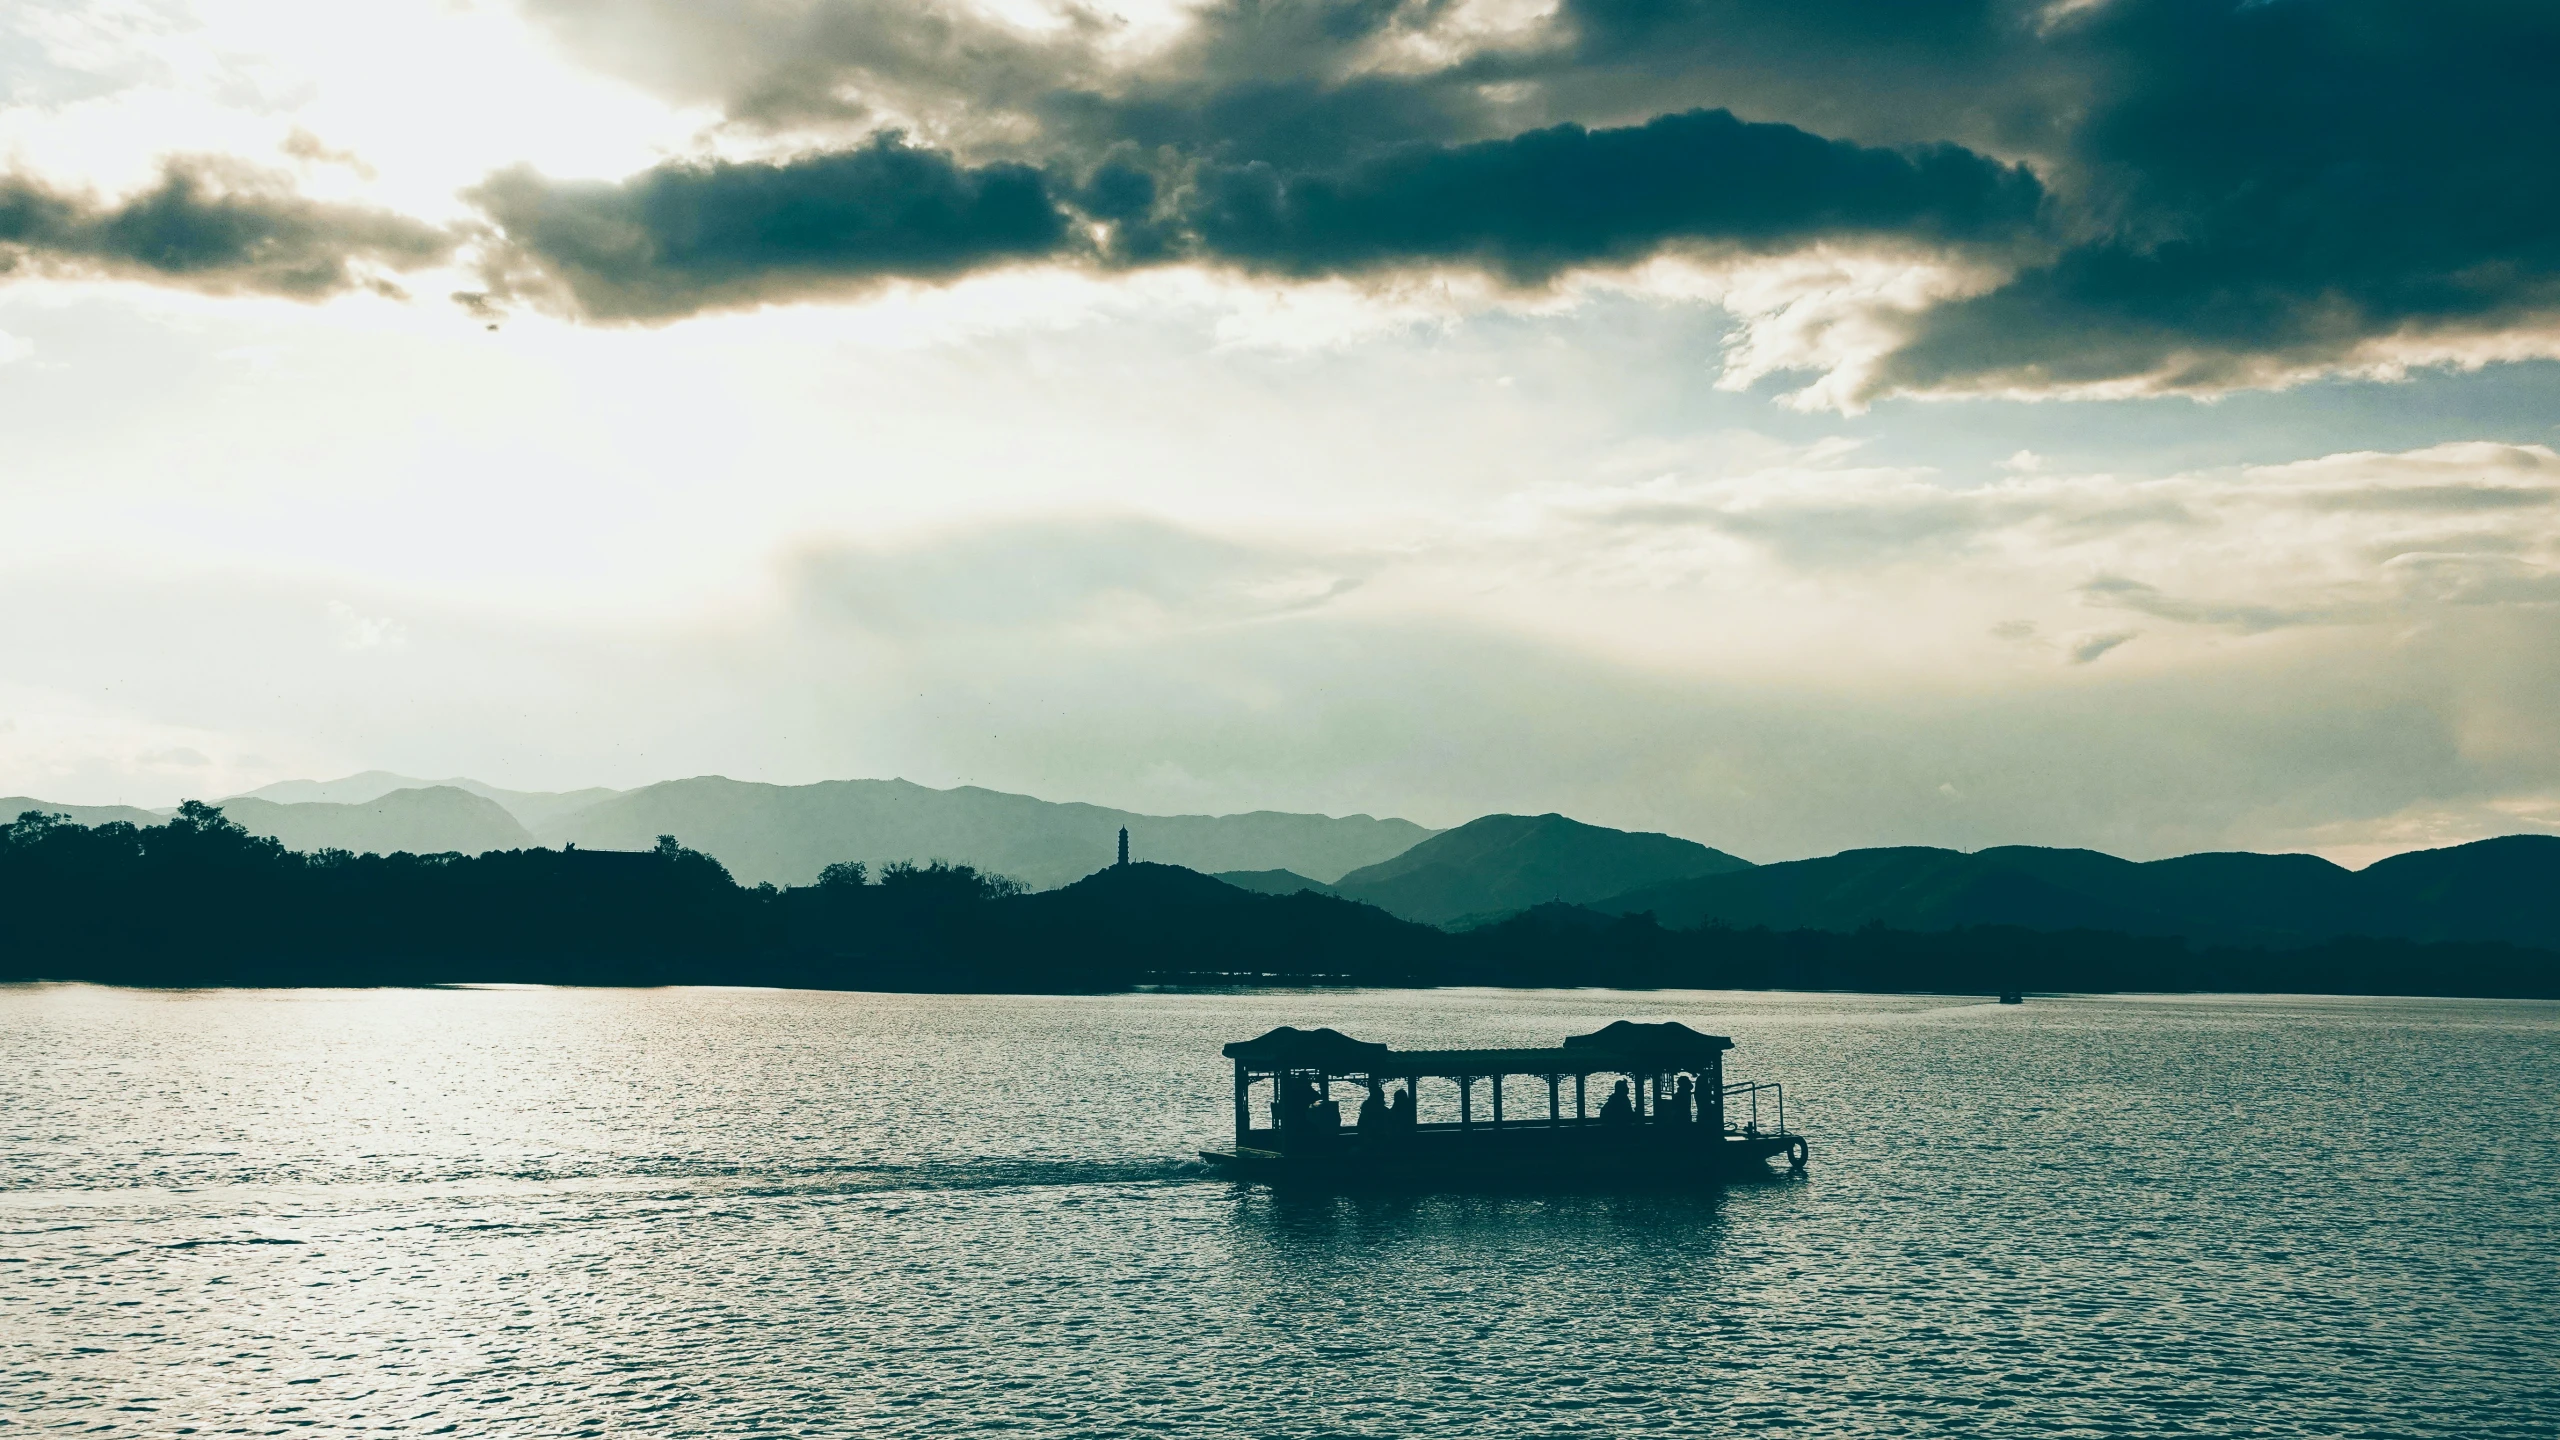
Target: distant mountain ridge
[[787, 833], [13, 806], [1272, 882], [1501, 864], [530, 807], [431, 821], [2506, 889]]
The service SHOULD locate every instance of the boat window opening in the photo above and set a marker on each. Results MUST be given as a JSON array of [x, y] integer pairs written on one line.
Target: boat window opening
[[1435, 1101]]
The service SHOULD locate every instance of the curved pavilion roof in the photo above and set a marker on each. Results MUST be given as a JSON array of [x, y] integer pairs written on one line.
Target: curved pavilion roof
[[1623, 1046]]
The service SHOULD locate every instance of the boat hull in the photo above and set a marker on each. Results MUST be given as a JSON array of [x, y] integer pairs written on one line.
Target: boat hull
[[1581, 1159]]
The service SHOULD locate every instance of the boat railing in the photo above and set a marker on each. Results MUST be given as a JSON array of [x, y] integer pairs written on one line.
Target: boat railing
[[1750, 1091]]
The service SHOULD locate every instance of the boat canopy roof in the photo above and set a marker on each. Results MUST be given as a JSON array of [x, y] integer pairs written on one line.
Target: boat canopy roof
[[1623, 1046]]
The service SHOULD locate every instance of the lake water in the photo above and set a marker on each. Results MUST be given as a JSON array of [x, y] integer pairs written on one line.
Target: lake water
[[710, 1213]]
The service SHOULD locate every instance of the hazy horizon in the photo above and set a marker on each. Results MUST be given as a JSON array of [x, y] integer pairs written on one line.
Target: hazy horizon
[[1794, 431]]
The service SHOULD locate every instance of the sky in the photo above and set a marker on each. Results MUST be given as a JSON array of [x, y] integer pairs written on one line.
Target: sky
[[2121, 423]]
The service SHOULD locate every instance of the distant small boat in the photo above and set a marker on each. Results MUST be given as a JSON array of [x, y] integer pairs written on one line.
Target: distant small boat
[[1649, 1132], [2013, 997]]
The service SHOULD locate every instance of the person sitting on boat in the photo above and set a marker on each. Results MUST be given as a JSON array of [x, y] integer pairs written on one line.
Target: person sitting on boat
[[1400, 1114], [1375, 1117], [1677, 1109], [1619, 1108], [1289, 1107]]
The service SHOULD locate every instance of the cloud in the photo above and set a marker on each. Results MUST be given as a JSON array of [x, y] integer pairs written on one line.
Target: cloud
[[687, 236], [2236, 195], [2119, 592], [799, 63], [1813, 516], [2480, 459], [2313, 730], [2276, 191], [216, 225], [2459, 579], [302, 145], [1141, 662], [2355, 539], [2088, 648], [1541, 202], [2010, 197], [683, 237], [2442, 498]]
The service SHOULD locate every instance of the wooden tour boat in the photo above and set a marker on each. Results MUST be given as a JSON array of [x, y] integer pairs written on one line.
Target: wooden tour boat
[[1671, 1119]]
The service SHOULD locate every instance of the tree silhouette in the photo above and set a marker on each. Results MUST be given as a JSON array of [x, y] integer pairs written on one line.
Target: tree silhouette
[[200, 901]]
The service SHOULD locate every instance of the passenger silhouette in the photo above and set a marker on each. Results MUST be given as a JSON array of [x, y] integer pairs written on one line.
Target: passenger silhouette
[[1400, 1109], [1375, 1117], [1289, 1107], [1677, 1110], [1306, 1118], [1618, 1109]]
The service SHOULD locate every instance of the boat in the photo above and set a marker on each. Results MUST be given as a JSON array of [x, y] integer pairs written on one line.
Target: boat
[[1669, 1118], [2013, 997]]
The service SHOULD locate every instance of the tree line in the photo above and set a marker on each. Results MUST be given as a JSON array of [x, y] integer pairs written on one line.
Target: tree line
[[200, 901]]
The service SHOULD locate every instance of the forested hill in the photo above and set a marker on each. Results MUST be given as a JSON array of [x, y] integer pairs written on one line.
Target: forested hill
[[2502, 890], [199, 901]]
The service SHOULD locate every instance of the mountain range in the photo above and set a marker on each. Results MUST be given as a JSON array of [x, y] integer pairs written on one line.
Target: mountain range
[[784, 834], [2503, 890], [13, 806], [2506, 889], [529, 807], [788, 833], [426, 821]]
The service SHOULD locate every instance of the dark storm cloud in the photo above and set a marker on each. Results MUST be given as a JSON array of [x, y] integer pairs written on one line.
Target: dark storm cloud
[[1537, 203], [682, 237], [1262, 137], [2236, 191], [2277, 185], [211, 225]]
